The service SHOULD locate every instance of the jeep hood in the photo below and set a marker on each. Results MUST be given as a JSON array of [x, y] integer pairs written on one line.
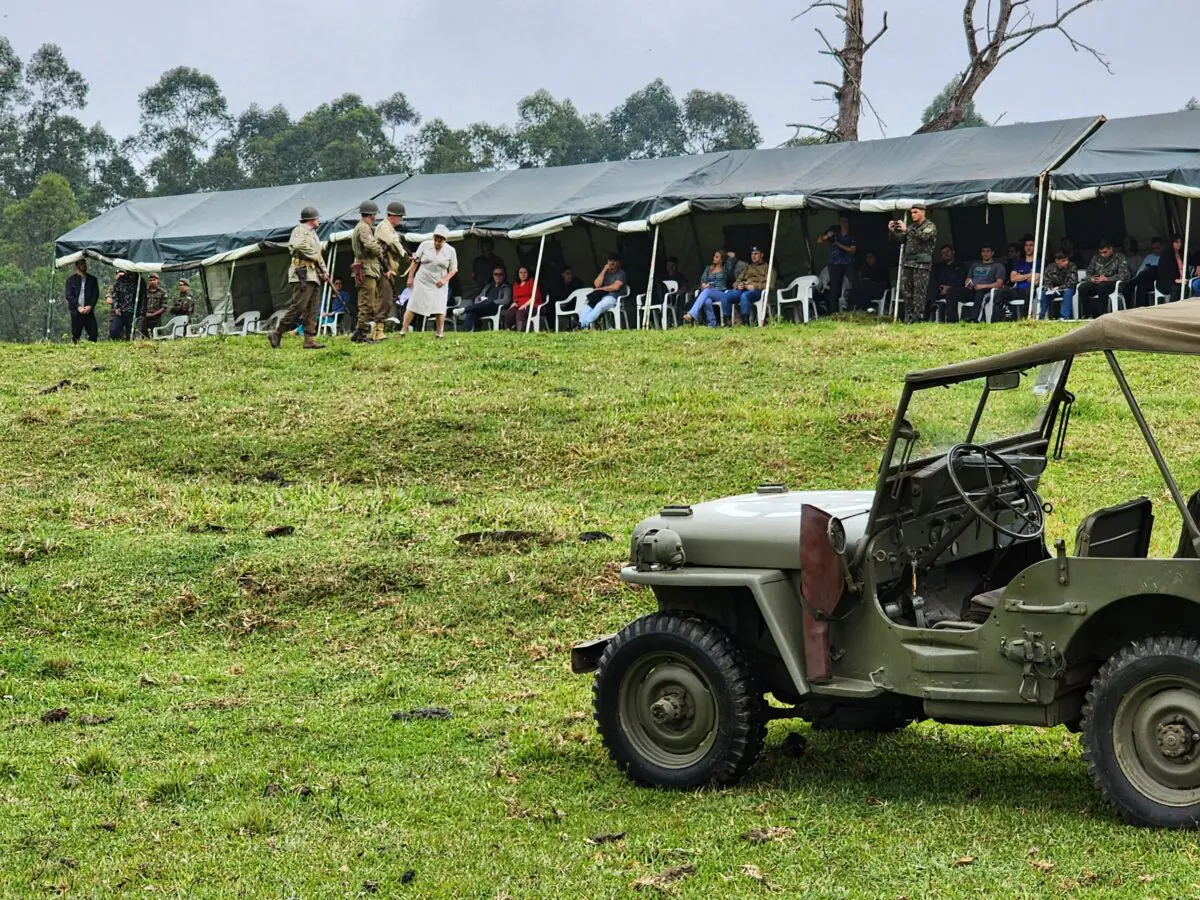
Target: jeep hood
[[757, 531]]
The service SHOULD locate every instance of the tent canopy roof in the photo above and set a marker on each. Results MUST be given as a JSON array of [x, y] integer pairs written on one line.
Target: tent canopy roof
[[1135, 151], [1170, 328]]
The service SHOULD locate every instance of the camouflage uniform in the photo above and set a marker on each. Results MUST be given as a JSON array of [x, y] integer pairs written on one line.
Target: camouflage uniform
[[919, 243], [183, 305], [368, 255], [156, 305], [305, 274], [393, 258], [1094, 298]]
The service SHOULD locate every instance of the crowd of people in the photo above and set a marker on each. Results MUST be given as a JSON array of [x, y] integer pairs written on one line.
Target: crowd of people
[[394, 285]]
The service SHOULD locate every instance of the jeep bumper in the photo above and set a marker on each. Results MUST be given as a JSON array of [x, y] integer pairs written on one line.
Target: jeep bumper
[[585, 656]]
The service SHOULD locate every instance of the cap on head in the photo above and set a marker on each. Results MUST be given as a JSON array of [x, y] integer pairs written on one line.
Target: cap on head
[[368, 208], [309, 214], [183, 282], [395, 208], [154, 276], [442, 231], [918, 204]]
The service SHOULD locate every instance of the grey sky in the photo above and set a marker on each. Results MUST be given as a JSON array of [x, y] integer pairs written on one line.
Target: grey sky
[[472, 60]]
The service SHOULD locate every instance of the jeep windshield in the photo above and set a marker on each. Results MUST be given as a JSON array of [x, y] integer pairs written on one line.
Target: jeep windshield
[[971, 411]]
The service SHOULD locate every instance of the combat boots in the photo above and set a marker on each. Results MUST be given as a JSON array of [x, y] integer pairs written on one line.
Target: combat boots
[[377, 333], [310, 344]]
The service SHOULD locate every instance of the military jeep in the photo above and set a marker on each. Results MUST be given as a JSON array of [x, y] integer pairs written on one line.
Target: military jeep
[[932, 596]]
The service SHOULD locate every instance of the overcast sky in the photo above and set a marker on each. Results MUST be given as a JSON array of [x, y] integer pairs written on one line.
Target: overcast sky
[[471, 60]]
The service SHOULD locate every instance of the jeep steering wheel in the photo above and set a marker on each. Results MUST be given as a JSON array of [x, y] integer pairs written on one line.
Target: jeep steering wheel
[[1030, 520]]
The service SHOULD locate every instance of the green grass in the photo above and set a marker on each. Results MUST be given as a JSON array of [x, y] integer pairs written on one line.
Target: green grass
[[251, 680]]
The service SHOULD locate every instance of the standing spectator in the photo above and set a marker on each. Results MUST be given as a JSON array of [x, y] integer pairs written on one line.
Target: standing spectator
[[875, 280], [526, 300], [434, 264], [564, 287], [83, 293], [949, 284], [1147, 274], [1171, 266], [606, 294], [982, 278], [1058, 286], [919, 240], [842, 250], [747, 291], [305, 275], [485, 264], [1103, 273], [183, 305], [490, 300], [156, 305], [712, 288], [1021, 279], [126, 296]]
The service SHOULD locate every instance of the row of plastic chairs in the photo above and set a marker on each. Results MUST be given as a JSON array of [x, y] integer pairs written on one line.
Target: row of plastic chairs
[[216, 324]]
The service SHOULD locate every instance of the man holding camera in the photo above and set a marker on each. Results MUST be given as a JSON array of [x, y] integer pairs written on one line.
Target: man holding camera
[[843, 247], [919, 239]]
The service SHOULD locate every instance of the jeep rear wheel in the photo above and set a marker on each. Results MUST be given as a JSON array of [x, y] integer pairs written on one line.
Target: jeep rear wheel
[[676, 705], [1141, 732]]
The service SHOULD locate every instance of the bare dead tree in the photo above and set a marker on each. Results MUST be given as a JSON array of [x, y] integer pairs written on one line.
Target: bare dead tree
[[1015, 26], [849, 94]]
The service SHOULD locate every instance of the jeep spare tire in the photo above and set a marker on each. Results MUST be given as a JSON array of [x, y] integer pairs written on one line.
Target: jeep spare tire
[[1141, 732], [676, 705]]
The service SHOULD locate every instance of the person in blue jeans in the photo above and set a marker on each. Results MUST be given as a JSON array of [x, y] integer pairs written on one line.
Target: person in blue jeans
[[607, 294], [1058, 285], [712, 287], [747, 291]]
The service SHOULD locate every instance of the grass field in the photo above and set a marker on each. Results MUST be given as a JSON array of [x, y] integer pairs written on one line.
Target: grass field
[[229, 695]]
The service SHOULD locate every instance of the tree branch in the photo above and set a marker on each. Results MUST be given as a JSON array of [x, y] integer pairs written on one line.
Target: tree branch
[[867, 45], [817, 4]]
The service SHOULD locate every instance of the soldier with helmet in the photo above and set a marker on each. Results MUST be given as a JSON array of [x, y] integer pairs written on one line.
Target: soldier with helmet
[[368, 269], [394, 255], [305, 275]]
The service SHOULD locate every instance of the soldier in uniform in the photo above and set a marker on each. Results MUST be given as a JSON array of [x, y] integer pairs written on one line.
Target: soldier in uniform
[[919, 240], [305, 276], [156, 305], [393, 258], [368, 269], [183, 304]]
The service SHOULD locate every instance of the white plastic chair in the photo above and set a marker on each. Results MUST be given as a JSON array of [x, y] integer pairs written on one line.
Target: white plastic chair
[[209, 326], [618, 312], [176, 327], [1160, 297], [1116, 300], [271, 322], [570, 307], [494, 318], [801, 291], [660, 311], [244, 324]]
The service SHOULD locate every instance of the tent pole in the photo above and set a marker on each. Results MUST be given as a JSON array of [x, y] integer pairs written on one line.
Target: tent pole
[[770, 267], [807, 239], [1187, 242], [50, 300], [650, 283], [1034, 280], [896, 301], [1046, 235], [537, 277], [204, 283], [327, 289], [232, 269]]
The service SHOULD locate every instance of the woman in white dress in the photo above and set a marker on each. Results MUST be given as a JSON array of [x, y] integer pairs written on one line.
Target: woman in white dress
[[433, 265]]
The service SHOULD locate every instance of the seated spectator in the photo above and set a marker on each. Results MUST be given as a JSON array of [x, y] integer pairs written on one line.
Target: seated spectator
[[1170, 265], [672, 272], [982, 278], [489, 301], [949, 284], [485, 264], [747, 291], [874, 281], [1146, 275], [608, 286], [1058, 286], [734, 267], [1067, 246], [339, 300], [564, 286], [156, 305], [1129, 250], [1103, 273], [182, 305], [525, 296], [712, 284], [1012, 253], [1021, 279]]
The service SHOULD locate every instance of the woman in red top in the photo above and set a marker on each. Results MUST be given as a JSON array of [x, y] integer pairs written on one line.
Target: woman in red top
[[524, 296]]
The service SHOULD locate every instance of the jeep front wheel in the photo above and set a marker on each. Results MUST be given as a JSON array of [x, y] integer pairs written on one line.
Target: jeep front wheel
[[1141, 732], [676, 705]]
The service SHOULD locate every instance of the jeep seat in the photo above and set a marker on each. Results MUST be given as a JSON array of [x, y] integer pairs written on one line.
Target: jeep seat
[[1186, 550], [1117, 532]]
